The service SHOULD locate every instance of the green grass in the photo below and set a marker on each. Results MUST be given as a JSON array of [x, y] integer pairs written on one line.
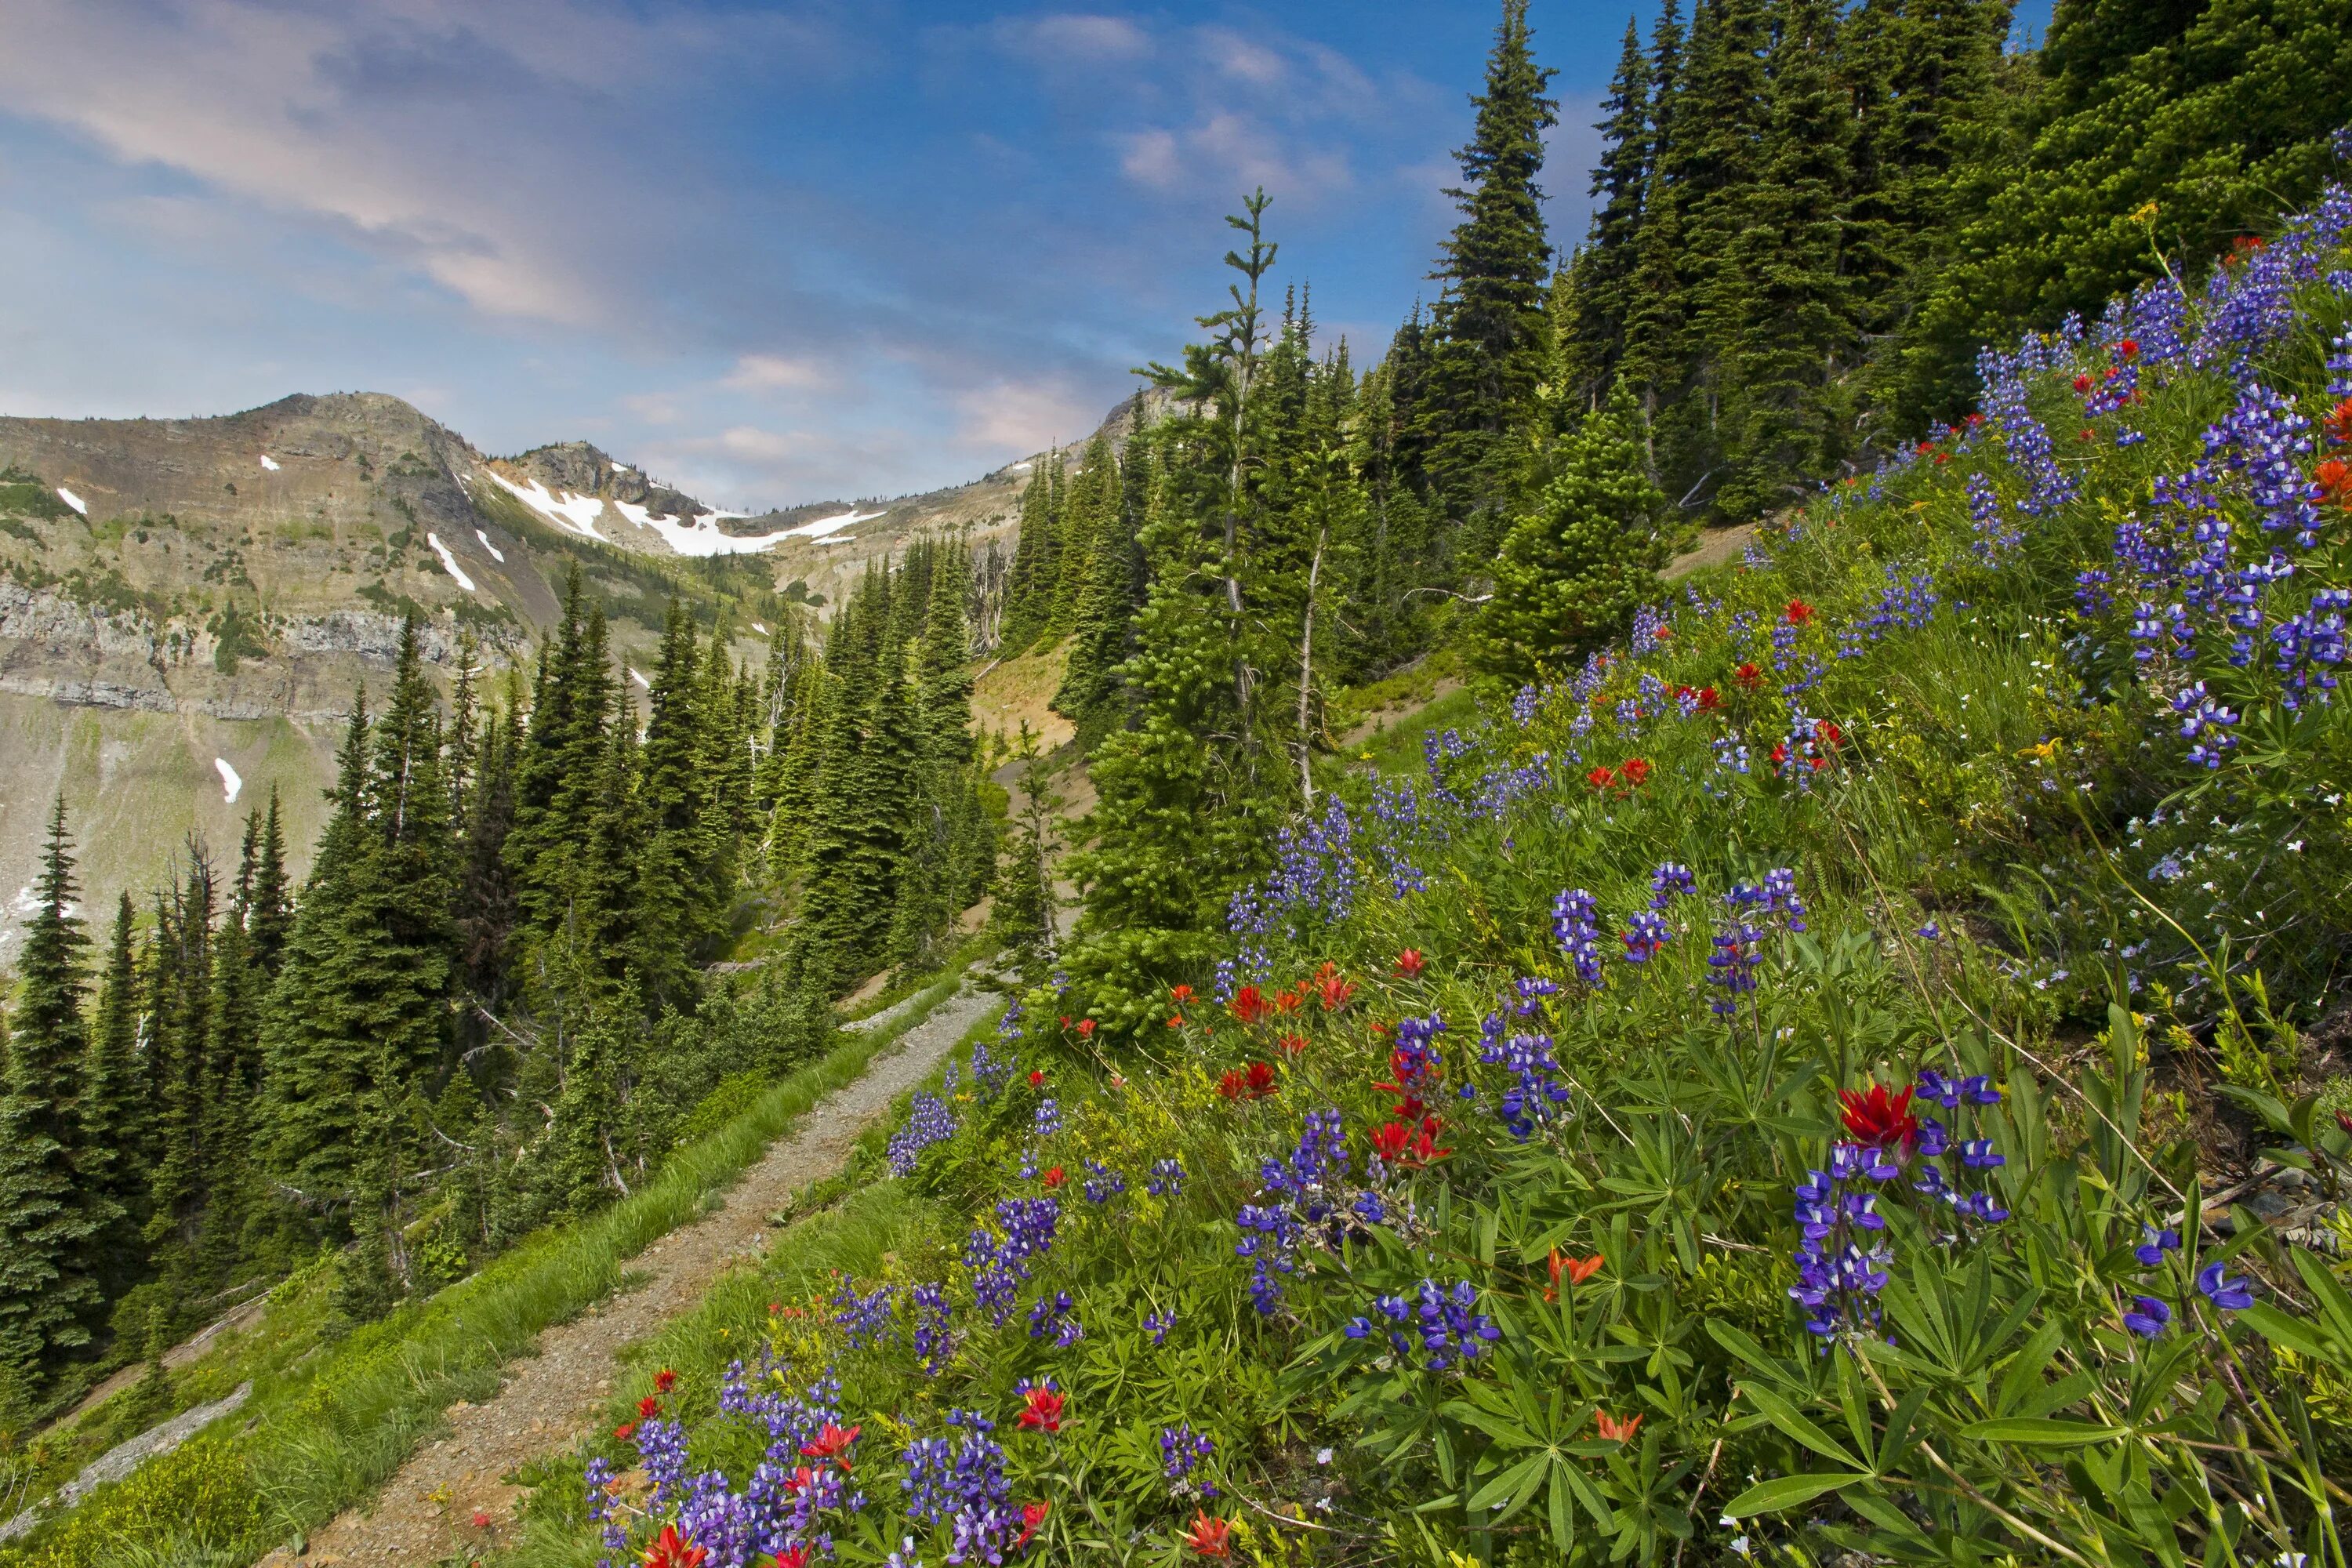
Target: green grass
[[329, 1424], [1395, 748]]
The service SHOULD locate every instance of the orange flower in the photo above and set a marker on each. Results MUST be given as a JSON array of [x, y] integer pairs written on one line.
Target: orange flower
[[1288, 1001], [1209, 1537], [1613, 1430], [1085, 1028], [2339, 425], [1334, 989], [1577, 1271], [1292, 1044], [1182, 994], [671, 1550], [2335, 476]]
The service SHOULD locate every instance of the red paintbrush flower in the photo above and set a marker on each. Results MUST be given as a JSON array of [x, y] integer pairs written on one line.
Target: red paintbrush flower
[[1409, 963], [1634, 771], [2081, 383], [1333, 988], [2338, 423], [1085, 1028], [1248, 1006], [648, 1407], [1601, 777], [1036, 1078], [1800, 612], [665, 1380], [1055, 1177], [1260, 1079], [1748, 675], [1827, 732], [1288, 1001], [831, 1442], [625, 1430], [1231, 1085], [2334, 480], [671, 1550], [1032, 1514], [1661, 633], [1878, 1118], [1042, 1409], [790, 1557], [1709, 699], [1391, 1140], [2127, 349], [1209, 1537], [1182, 994], [1290, 1044]]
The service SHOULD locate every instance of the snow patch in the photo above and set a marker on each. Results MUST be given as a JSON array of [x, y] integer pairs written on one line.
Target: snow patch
[[758, 628], [450, 562], [73, 500], [701, 536], [640, 680], [230, 782], [269, 462], [620, 468], [836, 538], [577, 513], [496, 553], [27, 901], [829, 525]]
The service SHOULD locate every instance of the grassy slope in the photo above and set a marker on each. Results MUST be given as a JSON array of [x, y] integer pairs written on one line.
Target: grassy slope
[[1982, 854], [328, 1421]]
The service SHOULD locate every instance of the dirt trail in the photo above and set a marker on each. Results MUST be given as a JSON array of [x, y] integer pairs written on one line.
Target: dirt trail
[[425, 1513]]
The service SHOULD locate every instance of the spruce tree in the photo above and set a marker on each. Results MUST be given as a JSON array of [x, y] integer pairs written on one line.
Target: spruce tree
[[1576, 566]]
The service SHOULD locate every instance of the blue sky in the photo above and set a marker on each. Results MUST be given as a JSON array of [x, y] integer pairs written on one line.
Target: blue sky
[[776, 253]]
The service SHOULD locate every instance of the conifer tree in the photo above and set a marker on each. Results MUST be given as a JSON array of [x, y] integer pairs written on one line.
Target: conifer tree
[[1604, 266], [1491, 337], [1576, 566], [1794, 340], [1109, 589], [114, 1114], [179, 1007], [49, 1218]]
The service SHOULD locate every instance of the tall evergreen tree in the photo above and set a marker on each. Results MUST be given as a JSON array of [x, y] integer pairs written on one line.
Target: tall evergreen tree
[[1604, 266], [115, 1109], [1491, 332], [49, 1217]]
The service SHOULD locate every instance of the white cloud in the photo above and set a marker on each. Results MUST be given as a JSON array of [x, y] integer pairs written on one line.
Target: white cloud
[[1080, 37], [1009, 418], [770, 373]]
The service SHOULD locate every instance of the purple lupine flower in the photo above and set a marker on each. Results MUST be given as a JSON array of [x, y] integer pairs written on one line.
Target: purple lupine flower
[[928, 1122], [1575, 926], [2227, 1294], [1645, 933], [2148, 1317]]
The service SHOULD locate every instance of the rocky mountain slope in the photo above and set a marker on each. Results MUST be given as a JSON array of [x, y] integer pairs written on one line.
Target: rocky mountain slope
[[186, 605]]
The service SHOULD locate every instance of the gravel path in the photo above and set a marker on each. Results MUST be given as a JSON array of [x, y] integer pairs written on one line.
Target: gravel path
[[425, 1513]]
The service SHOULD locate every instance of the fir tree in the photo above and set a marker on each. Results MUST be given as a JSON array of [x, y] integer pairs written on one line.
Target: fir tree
[[115, 1110], [1604, 266], [49, 1218], [1491, 336], [1574, 569]]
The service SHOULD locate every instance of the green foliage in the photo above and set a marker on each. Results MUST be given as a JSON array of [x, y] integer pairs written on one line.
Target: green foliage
[[1572, 571]]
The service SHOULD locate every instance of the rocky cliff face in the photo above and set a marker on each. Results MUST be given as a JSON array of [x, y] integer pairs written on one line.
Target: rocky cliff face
[[187, 605]]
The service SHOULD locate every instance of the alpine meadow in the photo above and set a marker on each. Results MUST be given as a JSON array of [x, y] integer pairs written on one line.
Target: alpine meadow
[[1699, 912]]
